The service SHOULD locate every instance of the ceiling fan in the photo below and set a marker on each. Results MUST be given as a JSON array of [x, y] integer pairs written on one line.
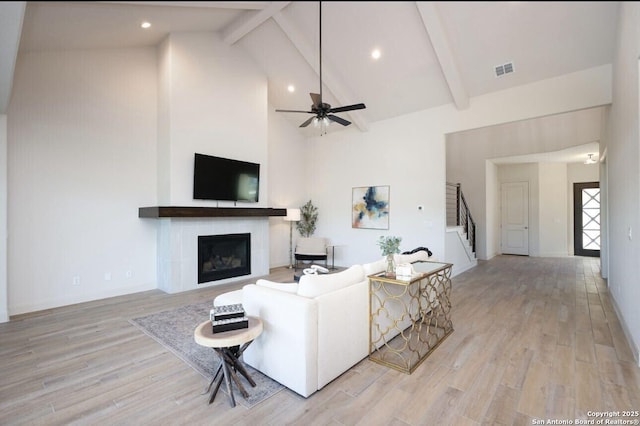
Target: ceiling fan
[[323, 112]]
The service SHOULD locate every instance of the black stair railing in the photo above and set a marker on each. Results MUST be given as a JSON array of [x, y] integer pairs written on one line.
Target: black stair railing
[[458, 213]]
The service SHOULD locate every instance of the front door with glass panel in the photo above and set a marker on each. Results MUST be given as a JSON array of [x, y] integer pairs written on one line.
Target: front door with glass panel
[[586, 219]]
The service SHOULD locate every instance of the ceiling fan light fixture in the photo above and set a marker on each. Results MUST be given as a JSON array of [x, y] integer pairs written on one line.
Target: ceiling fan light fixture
[[590, 160], [317, 121], [322, 111]]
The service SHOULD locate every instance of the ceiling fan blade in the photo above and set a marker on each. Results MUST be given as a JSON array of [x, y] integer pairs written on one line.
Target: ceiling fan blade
[[306, 123], [316, 98], [292, 110], [320, 109], [338, 120], [348, 108]]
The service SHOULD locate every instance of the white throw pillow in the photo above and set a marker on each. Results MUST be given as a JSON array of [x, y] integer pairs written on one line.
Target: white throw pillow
[[288, 287], [316, 285], [410, 258]]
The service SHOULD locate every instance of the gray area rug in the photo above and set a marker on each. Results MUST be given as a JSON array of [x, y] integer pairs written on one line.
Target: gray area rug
[[174, 330]]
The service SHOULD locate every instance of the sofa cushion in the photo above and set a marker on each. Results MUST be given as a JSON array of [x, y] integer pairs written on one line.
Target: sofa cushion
[[288, 287], [375, 267], [229, 298], [315, 285]]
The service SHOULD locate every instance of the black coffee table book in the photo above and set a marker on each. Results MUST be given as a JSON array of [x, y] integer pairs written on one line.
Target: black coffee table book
[[228, 317]]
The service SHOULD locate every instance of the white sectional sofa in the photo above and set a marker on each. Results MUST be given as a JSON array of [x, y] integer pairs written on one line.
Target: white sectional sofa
[[314, 330]]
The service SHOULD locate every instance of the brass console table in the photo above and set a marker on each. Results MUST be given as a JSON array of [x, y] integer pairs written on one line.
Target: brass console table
[[409, 316]]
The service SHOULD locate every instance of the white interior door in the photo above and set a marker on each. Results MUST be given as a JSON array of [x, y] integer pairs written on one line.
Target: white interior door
[[515, 218]]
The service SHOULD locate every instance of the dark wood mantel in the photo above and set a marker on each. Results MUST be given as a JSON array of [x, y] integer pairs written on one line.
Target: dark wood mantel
[[178, 212]]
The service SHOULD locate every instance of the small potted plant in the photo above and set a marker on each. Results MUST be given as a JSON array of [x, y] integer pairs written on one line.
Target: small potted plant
[[389, 245], [308, 218]]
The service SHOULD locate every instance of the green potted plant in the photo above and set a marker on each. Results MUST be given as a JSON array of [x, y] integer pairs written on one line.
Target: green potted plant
[[389, 245], [308, 218]]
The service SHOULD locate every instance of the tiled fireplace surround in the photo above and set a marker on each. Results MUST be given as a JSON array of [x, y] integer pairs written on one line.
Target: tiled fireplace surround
[[178, 248]]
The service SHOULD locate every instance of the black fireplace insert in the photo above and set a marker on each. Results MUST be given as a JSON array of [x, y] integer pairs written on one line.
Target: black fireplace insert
[[223, 256]]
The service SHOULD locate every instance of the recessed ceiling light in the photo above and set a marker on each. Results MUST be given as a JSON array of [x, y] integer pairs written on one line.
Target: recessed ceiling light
[[291, 88], [145, 25], [375, 54]]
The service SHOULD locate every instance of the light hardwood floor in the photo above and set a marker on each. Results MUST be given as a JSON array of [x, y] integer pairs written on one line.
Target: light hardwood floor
[[535, 338]]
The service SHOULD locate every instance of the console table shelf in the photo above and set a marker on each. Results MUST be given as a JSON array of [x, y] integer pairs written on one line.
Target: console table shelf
[[178, 212]]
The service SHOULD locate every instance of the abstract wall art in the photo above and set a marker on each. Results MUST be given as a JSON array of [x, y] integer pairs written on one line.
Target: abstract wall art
[[370, 207]]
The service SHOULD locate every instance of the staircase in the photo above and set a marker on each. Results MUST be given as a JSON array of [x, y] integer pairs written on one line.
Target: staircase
[[460, 242]]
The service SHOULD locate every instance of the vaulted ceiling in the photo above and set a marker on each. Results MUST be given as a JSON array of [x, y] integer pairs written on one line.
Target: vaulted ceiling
[[432, 53]]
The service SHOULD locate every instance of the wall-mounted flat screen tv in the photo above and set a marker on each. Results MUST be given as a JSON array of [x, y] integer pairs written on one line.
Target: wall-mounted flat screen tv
[[224, 179]]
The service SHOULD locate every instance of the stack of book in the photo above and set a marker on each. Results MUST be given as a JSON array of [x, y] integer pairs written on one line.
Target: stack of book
[[228, 317]]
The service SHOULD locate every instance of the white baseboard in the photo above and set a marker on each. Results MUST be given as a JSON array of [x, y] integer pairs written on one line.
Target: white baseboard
[[489, 256], [625, 329], [463, 269], [72, 300]]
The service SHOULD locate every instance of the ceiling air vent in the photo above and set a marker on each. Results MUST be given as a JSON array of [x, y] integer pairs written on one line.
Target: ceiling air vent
[[504, 69]]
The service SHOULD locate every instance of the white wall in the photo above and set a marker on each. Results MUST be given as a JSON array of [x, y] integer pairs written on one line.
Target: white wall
[[212, 100], [552, 207], [408, 154], [580, 172], [4, 305], [550, 203], [467, 151], [93, 135], [217, 105], [623, 173], [288, 183], [163, 142], [492, 232], [82, 159], [405, 154], [458, 251]]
